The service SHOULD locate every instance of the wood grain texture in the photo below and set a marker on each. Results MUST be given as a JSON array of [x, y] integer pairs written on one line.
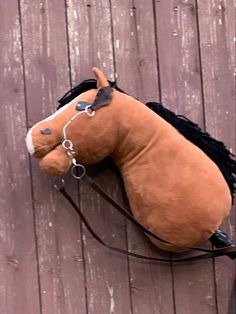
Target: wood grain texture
[[135, 48], [180, 82], [217, 42], [18, 264], [136, 68], [181, 52], [151, 282], [179, 63], [58, 232], [90, 38], [45, 56], [107, 277], [60, 250]]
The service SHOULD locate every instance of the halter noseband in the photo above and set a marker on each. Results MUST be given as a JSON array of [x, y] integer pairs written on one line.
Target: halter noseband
[[103, 98]]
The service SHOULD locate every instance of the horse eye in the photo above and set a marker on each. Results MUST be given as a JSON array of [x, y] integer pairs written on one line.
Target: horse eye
[[46, 131]]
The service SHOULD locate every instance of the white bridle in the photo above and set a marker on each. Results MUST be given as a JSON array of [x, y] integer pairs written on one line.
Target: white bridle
[[69, 147]]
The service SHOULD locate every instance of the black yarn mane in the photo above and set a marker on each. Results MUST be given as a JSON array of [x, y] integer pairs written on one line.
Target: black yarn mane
[[214, 149], [81, 88]]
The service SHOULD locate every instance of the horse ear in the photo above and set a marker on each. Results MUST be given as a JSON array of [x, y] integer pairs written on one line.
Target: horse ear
[[101, 79]]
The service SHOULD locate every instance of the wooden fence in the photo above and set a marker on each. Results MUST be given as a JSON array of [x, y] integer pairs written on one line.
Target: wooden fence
[[180, 52]]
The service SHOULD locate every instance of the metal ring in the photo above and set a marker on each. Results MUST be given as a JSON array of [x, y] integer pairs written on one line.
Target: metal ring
[[67, 144], [91, 113], [78, 168]]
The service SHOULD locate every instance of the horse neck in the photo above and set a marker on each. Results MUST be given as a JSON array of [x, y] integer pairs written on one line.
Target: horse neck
[[138, 127]]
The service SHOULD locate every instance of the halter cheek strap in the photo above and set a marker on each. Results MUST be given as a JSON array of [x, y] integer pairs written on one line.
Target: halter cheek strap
[[103, 98]]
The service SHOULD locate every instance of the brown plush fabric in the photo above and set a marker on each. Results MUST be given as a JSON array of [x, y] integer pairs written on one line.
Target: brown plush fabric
[[173, 188]]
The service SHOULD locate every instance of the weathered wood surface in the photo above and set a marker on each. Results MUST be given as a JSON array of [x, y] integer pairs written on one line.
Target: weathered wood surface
[[178, 51], [135, 65], [59, 245], [220, 112], [180, 81], [19, 286]]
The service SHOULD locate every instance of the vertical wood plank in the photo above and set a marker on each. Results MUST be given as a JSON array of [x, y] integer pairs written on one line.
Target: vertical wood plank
[[71, 270], [107, 278], [181, 91], [217, 42], [179, 57], [135, 51], [58, 231], [90, 42], [19, 290], [136, 71]]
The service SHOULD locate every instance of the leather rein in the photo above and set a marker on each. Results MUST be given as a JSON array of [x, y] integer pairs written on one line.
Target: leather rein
[[78, 171], [208, 253]]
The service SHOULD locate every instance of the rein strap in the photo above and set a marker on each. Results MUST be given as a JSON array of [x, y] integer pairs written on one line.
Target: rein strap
[[228, 251]]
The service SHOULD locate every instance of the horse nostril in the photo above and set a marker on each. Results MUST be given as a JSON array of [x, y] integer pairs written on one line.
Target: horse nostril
[[46, 131]]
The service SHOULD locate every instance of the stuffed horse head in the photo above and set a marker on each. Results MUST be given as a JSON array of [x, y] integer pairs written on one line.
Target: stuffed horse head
[[93, 136], [176, 184]]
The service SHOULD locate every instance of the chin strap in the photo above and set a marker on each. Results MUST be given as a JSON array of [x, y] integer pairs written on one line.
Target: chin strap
[[225, 246]]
